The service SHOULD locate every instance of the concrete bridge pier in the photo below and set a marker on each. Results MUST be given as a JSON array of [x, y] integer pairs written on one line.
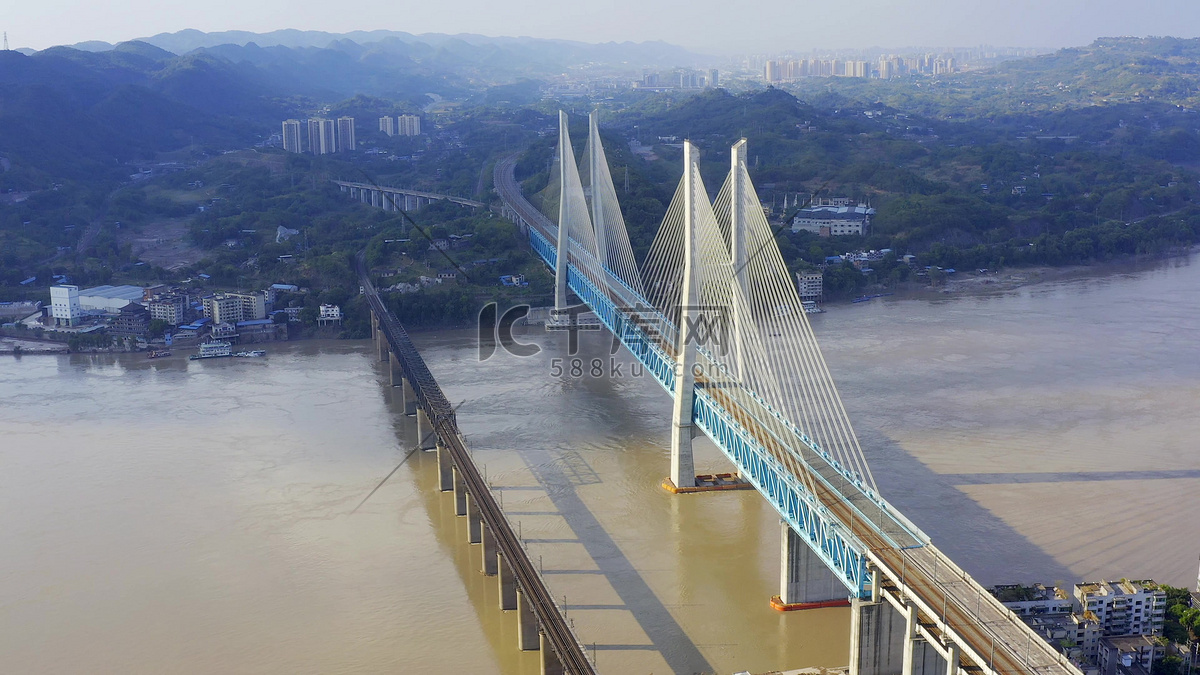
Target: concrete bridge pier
[[527, 625], [508, 586], [397, 372], [805, 581], [551, 664], [426, 436], [410, 399], [445, 469], [460, 493], [384, 351], [884, 641], [489, 564], [474, 521], [877, 638]]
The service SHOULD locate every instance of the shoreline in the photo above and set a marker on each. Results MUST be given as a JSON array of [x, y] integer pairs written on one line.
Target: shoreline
[[1014, 278]]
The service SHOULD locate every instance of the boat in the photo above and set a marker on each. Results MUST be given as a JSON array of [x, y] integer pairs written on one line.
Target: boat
[[811, 307], [251, 354], [158, 353], [864, 298], [213, 350]]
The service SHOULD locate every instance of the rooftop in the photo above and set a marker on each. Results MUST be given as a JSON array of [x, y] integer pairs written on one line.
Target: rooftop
[[114, 292]]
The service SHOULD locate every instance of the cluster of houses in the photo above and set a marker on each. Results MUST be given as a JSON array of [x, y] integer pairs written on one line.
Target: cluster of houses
[[184, 315], [1104, 627]]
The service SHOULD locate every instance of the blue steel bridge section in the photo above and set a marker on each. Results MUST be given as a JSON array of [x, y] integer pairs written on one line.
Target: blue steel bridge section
[[833, 541]]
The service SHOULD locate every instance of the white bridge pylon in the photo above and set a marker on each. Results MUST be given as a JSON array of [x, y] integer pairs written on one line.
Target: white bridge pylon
[[727, 308]]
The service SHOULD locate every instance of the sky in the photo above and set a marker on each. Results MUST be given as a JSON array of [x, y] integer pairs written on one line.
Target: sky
[[706, 26]]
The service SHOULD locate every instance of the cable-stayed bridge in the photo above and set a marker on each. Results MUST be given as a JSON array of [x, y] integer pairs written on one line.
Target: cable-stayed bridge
[[713, 315]]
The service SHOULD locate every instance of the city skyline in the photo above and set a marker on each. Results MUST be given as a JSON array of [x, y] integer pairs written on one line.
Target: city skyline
[[1017, 23]]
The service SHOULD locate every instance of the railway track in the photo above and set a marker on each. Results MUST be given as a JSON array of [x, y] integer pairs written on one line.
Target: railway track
[[441, 414]]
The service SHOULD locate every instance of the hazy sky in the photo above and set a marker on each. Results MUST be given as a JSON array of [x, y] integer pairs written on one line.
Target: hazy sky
[[712, 26]]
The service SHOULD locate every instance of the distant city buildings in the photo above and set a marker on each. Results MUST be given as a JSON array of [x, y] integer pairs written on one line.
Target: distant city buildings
[[408, 125], [886, 68], [324, 136], [387, 125], [291, 136], [345, 134], [325, 141], [683, 78], [314, 136]]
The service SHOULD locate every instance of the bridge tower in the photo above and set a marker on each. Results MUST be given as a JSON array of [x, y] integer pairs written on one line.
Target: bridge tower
[[737, 247], [597, 156], [560, 263], [683, 468]]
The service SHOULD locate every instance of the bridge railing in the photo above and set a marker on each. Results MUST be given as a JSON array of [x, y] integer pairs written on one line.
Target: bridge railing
[[1015, 642]]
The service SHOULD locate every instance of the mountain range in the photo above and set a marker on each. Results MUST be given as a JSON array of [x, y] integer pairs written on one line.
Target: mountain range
[[73, 111]]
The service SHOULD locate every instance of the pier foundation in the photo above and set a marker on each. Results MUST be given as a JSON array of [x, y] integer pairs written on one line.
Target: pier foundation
[[426, 436], [488, 566], [460, 494], [527, 625], [551, 664], [474, 520], [445, 469], [805, 581], [508, 585]]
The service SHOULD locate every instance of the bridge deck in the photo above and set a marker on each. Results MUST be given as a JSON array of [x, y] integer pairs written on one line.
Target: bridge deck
[[412, 193], [441, 414]]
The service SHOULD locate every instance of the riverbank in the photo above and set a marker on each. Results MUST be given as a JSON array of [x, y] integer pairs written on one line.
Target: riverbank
[[1011, 279], [17, 346]]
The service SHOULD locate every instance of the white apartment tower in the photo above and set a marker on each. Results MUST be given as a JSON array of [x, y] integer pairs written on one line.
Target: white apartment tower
[[1123, 607], [291, 136], [314, 136], [345, 134], [408, 125], [387, 125], [321, 137]]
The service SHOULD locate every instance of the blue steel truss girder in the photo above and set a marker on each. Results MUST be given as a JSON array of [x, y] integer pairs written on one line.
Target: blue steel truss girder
[[795, 503]]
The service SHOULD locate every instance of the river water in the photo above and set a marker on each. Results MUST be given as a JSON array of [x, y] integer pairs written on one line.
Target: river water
[[188, 517]]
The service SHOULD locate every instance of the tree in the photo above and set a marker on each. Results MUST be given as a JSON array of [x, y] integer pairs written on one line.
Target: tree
[[1190, 620], [157, 328]]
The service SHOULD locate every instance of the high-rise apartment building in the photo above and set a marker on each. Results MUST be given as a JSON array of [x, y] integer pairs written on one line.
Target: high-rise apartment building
[[714, 78], [314, 136], [345, 134], [387, 125], [408, 125], [773, 71], [291, 136], [321, 137]]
